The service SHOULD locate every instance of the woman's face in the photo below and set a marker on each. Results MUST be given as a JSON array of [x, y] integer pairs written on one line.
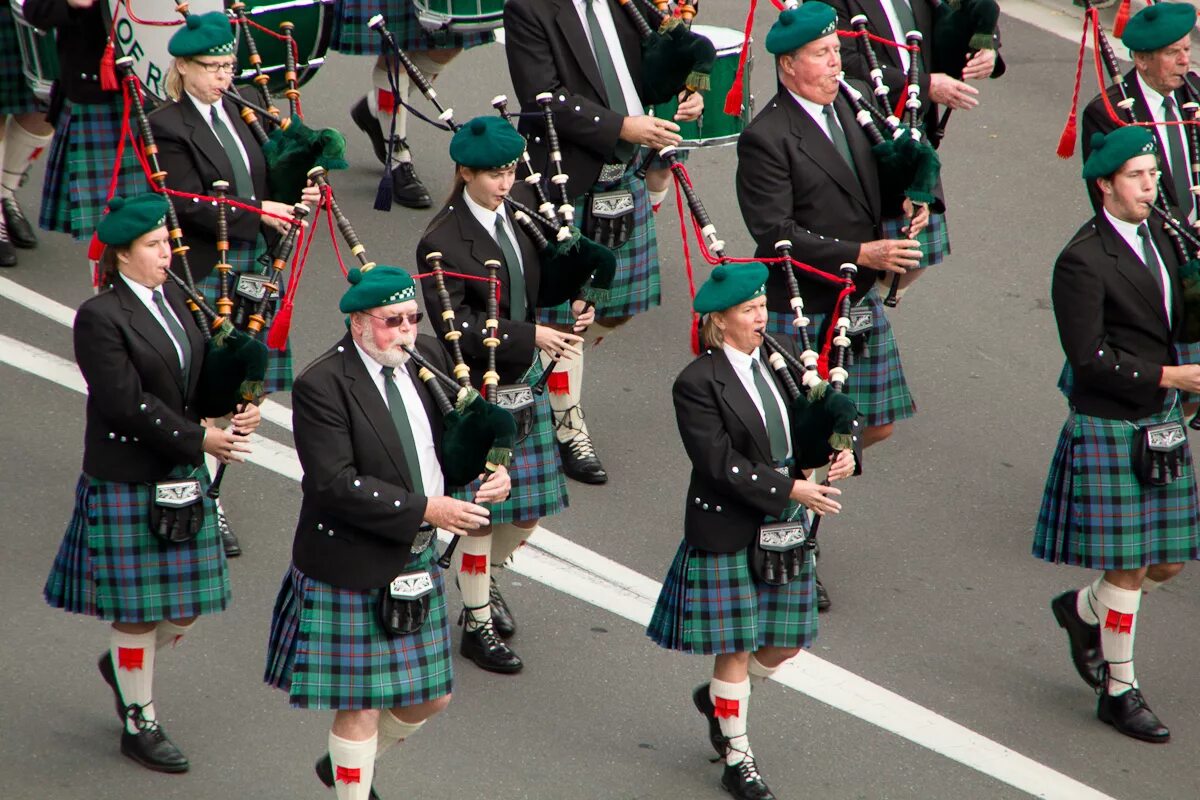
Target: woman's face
[[147, 259], [206, 77], [489, 187], [742, 324]]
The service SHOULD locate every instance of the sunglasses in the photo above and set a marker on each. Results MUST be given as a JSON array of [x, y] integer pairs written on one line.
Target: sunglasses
[[413, 318]]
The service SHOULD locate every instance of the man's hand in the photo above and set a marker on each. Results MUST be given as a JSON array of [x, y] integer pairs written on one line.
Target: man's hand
[[980, 65], [841, 465], [247, 419], [457, 516], [691, 106], [815, 497], [582, 318], [890, 255], [650, 131], [495, 487], [952, 93], [918, 217], [226, 446]]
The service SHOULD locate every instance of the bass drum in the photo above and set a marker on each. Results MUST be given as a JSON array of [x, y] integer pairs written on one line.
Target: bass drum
[[460, 16], [715, 127], [146, 41], [39, 55]]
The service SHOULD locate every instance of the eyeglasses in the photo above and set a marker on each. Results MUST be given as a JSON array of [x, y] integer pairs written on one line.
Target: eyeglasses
[[213, 67], [413, 318]]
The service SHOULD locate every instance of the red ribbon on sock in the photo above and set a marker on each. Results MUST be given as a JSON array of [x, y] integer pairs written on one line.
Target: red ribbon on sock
[[387, 101], [559, 382], [474, 564], [724, 708], [348, 775], [130, 658], [1118, 622]]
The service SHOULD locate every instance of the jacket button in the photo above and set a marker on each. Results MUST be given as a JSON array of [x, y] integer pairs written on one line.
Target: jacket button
[[123, 439], [696, 501], [396, 504], [772, 490], [320, 526], [331, 532], [375, 494], [158, 422], [357, 482], [753, 477], [341, 349], [735, 470], [1135, 374], [705, 506], [718, 509], [142, 407], [175, 434], [112, 436]]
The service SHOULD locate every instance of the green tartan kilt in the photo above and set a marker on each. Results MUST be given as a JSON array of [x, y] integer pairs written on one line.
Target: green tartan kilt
[[710, 604], [16, 96], [328, 648], [1095, 513], [352, 36], [876, 382], [538, 487], [636, 287], [109, 565], [934, 239], [242, 257]]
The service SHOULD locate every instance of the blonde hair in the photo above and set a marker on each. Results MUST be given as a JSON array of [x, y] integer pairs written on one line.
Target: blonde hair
[[710, 334], [174, 80]]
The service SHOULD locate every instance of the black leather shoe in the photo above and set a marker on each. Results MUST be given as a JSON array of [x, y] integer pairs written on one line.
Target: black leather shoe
[[703, 702], [580, 461], [1084, 639], [407, 189], [502, 618], [1129, 714], [325, 774], [485, 647], [368, 124], [8, 253], [743, 781], [20, 232], [823, 602], [233, 548], [150, 746], [106, 671]]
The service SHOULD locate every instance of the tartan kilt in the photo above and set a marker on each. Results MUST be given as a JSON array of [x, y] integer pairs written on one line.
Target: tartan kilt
[[352, 36], [934, 239], [710, 604], [109, 565], [636, 286], [80, 165], [279, 364], [1095, 512], [538, 487], [16, 96], [876, 382], [328, 649]]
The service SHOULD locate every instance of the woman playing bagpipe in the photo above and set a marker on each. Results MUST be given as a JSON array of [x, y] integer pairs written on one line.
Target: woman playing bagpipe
[[724, 595], [142, 550], [1121, 492], [202, 139], [87, 113], [475, 227]]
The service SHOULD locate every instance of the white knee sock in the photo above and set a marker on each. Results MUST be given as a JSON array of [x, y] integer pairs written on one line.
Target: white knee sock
[[1085, 605], [168, 634], [1117, 610], [506, 539], [474, 568], [133, 665], [565, 387], [383, 103], [353, 766], [392, 731], [731, 702], [759, 673], [20, 149]]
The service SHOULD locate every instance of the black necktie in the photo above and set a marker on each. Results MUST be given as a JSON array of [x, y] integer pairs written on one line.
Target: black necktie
[[408, 442], [608, 75], [1178, 157], [776, 433], [840, 142], [176, 331], [241, 175], [516, 278], [1150, 258]]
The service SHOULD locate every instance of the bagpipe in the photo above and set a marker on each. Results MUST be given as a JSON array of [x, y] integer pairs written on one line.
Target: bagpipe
[[674, 58]]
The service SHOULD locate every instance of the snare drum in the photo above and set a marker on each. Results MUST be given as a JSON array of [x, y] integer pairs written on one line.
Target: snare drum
[[460, 16], [39, 56], [715, 127]]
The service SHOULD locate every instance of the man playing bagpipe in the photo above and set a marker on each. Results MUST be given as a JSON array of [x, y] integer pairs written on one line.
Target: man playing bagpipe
[[360, 623], [588, 55], [1120, 496]]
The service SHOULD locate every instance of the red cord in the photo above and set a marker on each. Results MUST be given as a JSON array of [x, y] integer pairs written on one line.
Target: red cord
[[880, 39]]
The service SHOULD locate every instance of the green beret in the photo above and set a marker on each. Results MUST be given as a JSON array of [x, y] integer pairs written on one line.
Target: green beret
[[730, 285], [130, 217], [486, 143], [204, 35], [378, 286], [797, 27], [1158, 25], [1111, 151]]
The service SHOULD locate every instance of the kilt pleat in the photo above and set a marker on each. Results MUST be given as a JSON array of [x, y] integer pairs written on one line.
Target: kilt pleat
[[710, 604], [327, 648], [16, 96], [636, 287], [1095, 513], [538, 487], [109, 565], [934, 239], [876, 382], [352, 36]]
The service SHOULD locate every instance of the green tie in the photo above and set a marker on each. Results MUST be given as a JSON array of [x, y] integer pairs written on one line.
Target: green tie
[[840, 142], [608, 74], [516, 278], [775, 430], [1177, 157], [1150, 259], [176, 331], [400, 419], [241, 176], [904, 16]]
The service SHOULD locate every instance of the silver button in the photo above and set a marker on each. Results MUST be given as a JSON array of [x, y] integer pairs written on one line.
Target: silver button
[[718, 509], [124, 439], [375, 494], [696, 501], [142, 407], [331, 533], [753, 477], [175, 433], [112, 436], [158, 422], [396, 504], [735, 470], [1135, 374], [705, 506], [320, 526], [1100, 353], [772, 490], [357, 482], [341, 349]]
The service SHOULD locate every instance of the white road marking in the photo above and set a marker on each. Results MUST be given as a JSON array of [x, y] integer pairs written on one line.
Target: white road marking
[[588, 576]]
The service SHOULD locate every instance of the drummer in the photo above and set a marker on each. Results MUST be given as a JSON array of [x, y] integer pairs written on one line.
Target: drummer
[[24, 132], [430, 52]]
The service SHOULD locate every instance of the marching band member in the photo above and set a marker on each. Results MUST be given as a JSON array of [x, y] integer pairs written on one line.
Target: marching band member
[[431, 52], [360, 623], [1121, 492], [134, 553], [587, 53], [735, 422]]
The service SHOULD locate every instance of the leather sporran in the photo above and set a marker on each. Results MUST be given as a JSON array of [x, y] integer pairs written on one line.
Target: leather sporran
[[779, 552], [404, 603], [608, 217], [518, 400], [176, 510], [1158, 453]]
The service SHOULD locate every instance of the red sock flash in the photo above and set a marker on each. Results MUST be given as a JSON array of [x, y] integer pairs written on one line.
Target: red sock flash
[[724, 708], [347, 775], [1118, 622], [130, 658], [473, 564]]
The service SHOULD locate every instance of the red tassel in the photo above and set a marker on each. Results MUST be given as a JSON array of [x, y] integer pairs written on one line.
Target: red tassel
[[278, 335], [899, 112], [695, 334], [559, 382], [95, 248], [1122, 18], [735, 97], [108, 73], [1066, 142]]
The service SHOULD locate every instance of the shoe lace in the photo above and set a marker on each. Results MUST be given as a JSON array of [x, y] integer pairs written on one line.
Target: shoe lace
[[491, 639], [12, 209], [3, 229], [581, 446], [747, 768], [494, 594], [137, 715]]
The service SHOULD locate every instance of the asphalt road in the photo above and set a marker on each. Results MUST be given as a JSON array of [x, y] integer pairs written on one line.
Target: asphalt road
[[935, 595]]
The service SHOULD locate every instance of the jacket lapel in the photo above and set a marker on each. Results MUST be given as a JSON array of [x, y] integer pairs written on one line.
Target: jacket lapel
[[864, 159], [203, 138], [366, 393], [571, 27], [880, 25], [1131, 267], [431, 410], [735, 396], [146, 326], [254, 154], [818, 147]]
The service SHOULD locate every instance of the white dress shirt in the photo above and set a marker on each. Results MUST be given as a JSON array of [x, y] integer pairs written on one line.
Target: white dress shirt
[[741, 367], [1155, 101], [205, 110], [816, 111], [487, 219], [1128, 232], [146, 295], [633, 103], [418, 420]]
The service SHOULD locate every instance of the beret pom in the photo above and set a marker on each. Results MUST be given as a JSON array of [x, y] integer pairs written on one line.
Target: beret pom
[[1097, 140], [117, 203], [478, 126], [786, 20], [1151, 13], [355, 276], [719, 274], [194, 22]]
